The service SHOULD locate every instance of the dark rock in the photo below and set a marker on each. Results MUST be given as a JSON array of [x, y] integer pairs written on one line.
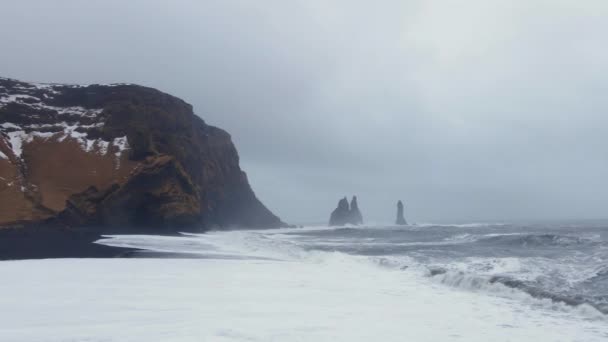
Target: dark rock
[[345, 214], [158, 195], [37, 242], [437, 271], [355, 214], [340, 215], [400, 219]]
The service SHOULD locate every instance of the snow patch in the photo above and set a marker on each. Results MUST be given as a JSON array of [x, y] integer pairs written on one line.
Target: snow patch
[[16, 141], [80, 111], [17, 98], [50, 87], [67, 126], [9, 125], [74, 110], [121, 145], [89, 144], [103, 146], [18, 138]]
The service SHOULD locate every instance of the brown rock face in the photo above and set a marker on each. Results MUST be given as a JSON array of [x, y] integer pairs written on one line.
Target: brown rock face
[[117, 157]]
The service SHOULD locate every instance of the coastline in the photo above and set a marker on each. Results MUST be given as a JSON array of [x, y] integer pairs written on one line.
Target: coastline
[[236, 286]]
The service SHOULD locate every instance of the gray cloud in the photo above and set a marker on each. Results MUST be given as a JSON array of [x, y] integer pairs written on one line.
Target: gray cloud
[[476, 110]]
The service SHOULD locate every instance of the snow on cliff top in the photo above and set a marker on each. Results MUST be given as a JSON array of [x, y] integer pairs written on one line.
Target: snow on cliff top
[[71, 122]]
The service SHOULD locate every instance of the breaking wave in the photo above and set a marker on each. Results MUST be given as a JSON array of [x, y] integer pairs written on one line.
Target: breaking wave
[[517, 289], [455, 260], [534, 240]]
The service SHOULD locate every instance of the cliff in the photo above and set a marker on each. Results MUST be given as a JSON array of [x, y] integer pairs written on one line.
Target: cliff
[[117, 157]]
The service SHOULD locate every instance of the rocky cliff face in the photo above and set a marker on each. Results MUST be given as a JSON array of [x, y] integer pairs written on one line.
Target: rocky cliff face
[[117, 156], [346, 214]]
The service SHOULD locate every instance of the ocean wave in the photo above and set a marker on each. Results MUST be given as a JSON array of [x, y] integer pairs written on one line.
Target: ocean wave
[[494, 282], [461, 225], [533, 240], [504, 286], [495, 278]]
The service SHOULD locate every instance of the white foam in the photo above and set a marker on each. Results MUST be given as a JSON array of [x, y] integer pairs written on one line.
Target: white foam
[[482, 285], [336, 298], [470, 274], [461, 225]]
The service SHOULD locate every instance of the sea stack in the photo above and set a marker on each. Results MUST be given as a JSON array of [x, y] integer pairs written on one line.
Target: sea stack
[[355, 213], [346, 214], [340, 215], [400, 219]]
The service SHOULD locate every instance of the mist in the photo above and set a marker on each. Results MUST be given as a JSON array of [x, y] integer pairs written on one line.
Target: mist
[[468, 111]]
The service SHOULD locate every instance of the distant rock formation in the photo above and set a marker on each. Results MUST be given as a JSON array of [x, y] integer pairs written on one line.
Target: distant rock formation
[[355, 213], [345, 214], [340, 215], [400, 219]]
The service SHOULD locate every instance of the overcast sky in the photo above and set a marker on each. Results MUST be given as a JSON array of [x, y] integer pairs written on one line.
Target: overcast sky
[[467, 110]]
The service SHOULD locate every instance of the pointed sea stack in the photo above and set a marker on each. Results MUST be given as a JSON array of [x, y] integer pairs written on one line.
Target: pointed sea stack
[[345, 214], [355, 214], [340, 215], [400, 219]]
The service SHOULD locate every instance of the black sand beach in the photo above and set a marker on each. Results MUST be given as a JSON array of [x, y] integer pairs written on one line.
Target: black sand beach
[[43, 242]]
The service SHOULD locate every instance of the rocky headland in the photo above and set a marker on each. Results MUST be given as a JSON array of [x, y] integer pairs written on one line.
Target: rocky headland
[[116, 158]]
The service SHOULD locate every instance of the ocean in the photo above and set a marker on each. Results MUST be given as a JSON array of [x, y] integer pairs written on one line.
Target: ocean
[[426, 282]]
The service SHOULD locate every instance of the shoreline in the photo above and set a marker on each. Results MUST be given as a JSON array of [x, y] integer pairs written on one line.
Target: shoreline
[[242, 300]]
